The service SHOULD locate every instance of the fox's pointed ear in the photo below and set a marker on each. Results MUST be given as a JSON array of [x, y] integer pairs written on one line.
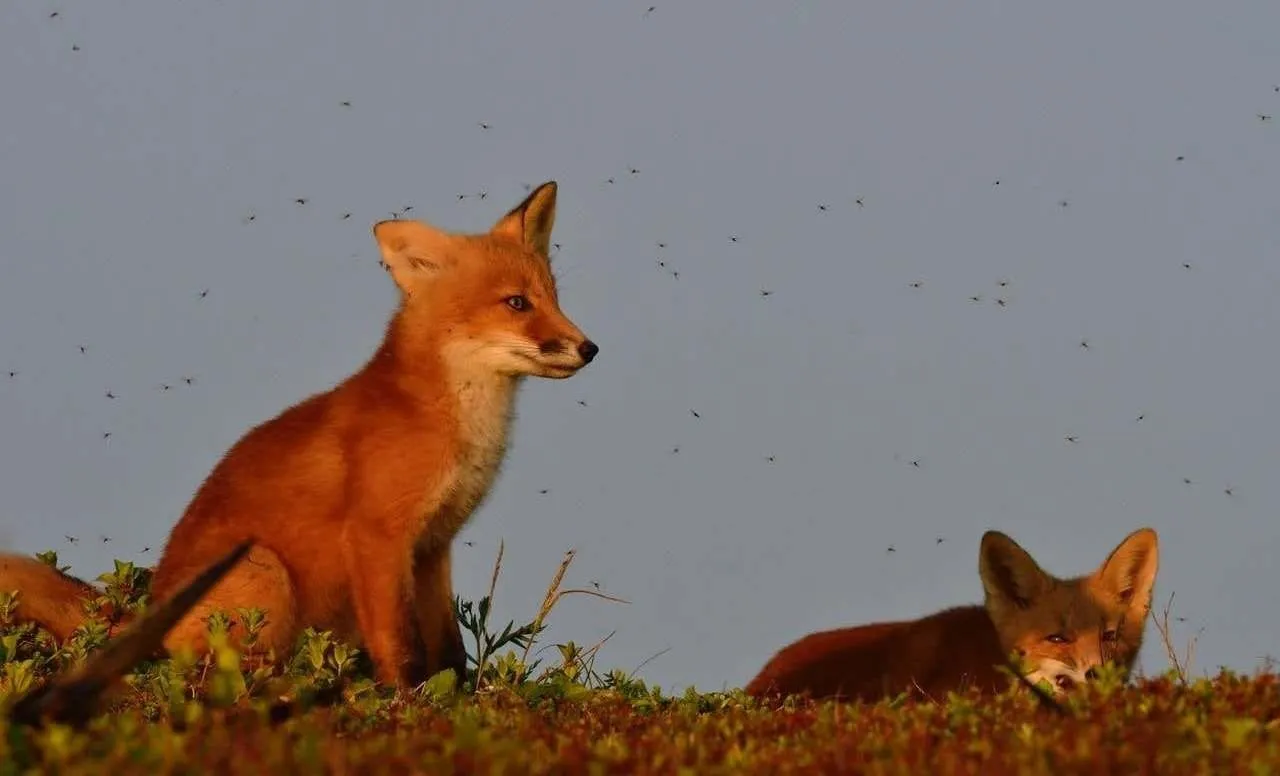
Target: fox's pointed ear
[[410, 249], [531, 221], [1010, 576], [1129, 572]]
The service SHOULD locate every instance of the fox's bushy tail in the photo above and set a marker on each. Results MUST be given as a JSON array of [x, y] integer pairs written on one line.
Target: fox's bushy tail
[[46, 596]]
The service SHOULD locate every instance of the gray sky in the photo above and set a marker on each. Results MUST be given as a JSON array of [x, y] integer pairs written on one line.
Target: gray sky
[[132, 165]]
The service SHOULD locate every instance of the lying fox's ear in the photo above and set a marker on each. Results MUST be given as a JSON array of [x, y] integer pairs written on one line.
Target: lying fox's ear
[[531, 221], [410, 249], [1010, 576], [1129, 572]]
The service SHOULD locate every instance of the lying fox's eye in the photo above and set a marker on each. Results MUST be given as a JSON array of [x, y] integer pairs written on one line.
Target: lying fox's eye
[[1109, 635], [517, 302], [1057, 638]]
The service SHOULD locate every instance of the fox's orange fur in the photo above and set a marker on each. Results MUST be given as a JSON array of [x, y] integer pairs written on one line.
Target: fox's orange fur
[[1062, 629], [354, 495]]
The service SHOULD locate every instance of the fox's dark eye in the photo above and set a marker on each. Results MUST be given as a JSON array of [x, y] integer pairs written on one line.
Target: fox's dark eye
[[1109, 635], [1057, 638], [517, 302]]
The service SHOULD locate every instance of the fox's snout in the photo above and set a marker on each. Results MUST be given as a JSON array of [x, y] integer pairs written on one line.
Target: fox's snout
[[558, 355], [1067, 681], [586, 349], [1063, 677]]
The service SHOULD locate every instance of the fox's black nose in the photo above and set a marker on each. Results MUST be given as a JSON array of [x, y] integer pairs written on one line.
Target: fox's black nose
[[588, 351], [1091, 674]]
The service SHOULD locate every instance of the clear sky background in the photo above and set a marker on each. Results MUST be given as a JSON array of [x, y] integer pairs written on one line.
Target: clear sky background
[[154, 150]]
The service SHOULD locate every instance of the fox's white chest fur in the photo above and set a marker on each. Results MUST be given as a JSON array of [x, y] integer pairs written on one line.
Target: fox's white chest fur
[[485, 412]]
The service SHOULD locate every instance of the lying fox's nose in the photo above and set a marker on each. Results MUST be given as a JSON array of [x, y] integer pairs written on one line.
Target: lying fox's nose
[[588, 351], [1091, 674]]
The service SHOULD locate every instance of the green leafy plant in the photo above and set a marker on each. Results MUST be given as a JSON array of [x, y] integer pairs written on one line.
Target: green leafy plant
[[238, 708]]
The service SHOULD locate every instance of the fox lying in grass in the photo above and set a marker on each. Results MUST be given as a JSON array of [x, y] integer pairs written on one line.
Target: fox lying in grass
[[353, 496], [1062, 630]]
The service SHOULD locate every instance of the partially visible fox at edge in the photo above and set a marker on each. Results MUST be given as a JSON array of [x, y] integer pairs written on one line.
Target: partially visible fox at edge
[[1062, 630], [353, 496]]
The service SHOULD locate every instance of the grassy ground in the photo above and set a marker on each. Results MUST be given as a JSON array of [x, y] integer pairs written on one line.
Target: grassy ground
[[317, 711]]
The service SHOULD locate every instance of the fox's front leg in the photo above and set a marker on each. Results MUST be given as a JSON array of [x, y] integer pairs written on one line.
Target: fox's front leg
[[380, 590], [433, 606]]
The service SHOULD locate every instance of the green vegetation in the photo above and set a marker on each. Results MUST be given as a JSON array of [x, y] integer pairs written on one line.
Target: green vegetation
[[317, 710]]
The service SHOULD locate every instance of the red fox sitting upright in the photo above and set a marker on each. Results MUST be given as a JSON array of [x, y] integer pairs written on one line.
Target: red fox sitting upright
[[354, 496], [1062, 629]]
